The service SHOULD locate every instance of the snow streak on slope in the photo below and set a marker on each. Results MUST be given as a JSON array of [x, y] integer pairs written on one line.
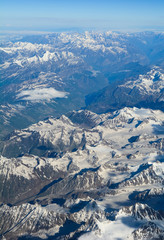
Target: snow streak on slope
[[150, 83]]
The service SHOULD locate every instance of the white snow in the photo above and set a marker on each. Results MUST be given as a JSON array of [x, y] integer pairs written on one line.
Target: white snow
[[158, 167], [147, 83], [19, 167], [108, 230]]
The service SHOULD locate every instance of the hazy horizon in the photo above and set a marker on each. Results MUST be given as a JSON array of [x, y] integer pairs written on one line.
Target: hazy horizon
[[55, 16]]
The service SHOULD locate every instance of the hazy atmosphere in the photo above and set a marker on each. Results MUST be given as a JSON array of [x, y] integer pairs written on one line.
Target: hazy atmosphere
[[64, 15]]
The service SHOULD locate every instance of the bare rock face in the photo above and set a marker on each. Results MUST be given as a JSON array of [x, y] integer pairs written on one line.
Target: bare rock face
[[28, 218], [148, 231], [34, 220], [148, 176], [142, 211], [148, 194], [52, 136]]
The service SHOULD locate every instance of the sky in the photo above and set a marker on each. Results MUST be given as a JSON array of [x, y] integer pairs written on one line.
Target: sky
[[58, 15]]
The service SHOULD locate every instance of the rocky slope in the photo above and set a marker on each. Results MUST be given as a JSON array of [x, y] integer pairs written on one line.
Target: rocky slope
[[145, 91], [67, 179]]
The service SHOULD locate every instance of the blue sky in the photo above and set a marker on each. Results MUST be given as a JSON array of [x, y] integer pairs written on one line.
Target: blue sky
[[51, 15]]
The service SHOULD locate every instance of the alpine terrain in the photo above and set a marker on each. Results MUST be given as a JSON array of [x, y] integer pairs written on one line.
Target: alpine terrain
[[82, 136]]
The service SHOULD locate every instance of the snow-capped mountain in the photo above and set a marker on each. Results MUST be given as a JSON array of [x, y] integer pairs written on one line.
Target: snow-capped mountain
[[95, 176], [76, 174], [145, 91], [49, 75]]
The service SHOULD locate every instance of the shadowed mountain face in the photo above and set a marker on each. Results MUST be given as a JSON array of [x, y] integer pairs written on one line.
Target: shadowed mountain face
[[43, 76], [145, 91]]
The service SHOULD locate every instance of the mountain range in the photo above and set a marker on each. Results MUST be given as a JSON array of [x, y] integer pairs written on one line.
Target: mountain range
[[82, 136], [95, 176], [49, 75]]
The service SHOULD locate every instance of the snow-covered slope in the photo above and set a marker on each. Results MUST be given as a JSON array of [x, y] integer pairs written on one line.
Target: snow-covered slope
[[144, 91], [149, 225], [152, 82], [95, 170]]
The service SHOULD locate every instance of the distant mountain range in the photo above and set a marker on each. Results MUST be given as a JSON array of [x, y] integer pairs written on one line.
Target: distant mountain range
[[48, 75]]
